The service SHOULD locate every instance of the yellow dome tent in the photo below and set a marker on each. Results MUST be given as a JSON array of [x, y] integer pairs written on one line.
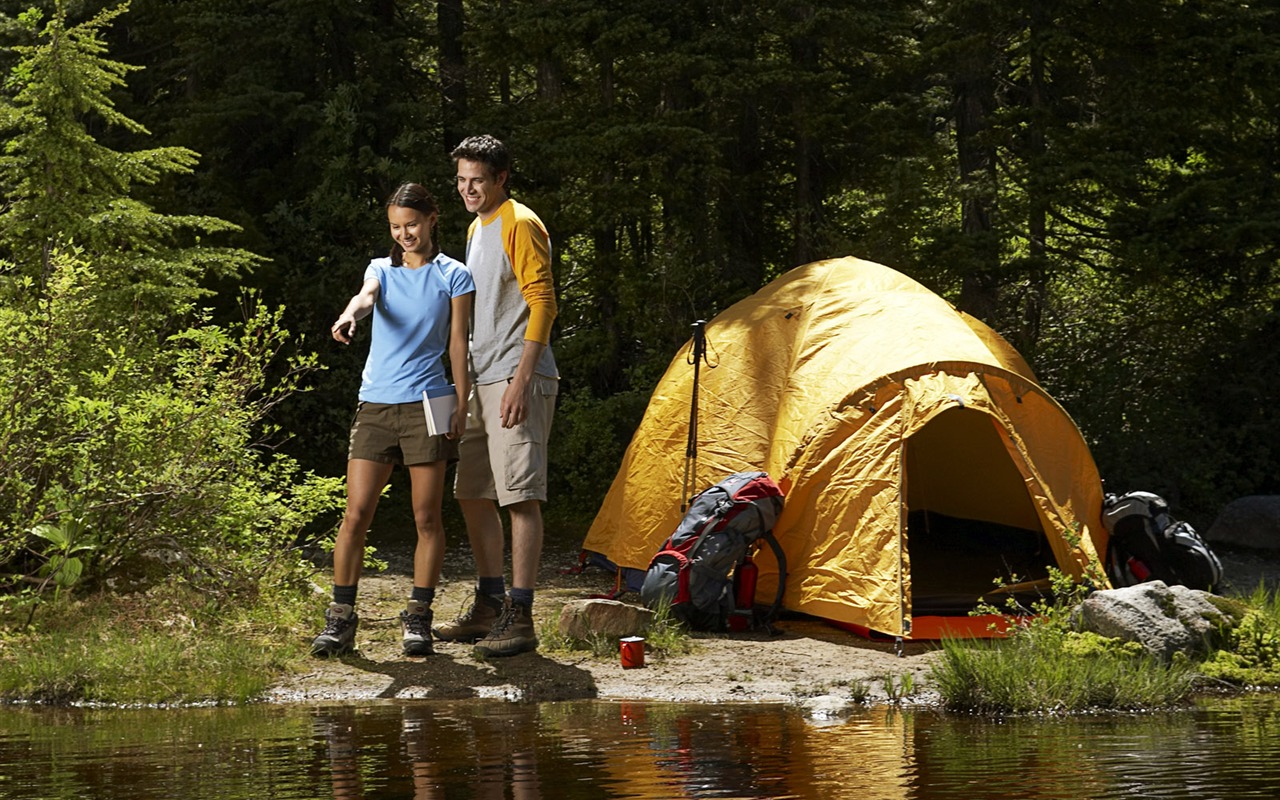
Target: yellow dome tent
[[922, 462]]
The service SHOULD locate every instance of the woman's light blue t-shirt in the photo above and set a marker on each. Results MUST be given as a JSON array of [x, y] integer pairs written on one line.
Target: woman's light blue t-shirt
[[411, 329]]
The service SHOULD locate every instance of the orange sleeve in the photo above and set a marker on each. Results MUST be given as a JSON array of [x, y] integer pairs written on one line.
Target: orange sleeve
[[530, 249]]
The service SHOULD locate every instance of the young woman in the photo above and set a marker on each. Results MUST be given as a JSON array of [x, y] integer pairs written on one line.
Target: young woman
[[421, 305]]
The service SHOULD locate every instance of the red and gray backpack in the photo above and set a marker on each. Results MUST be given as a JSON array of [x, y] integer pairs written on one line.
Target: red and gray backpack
[[704, 570]]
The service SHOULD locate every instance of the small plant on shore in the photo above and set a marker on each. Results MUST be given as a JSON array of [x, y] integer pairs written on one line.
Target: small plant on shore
[[1046, 666], [859, 691], [898, 689], [664, 636], [1251, 653]]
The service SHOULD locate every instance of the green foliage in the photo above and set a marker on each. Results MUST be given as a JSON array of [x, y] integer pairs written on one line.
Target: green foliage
[[64, 187], [1045, 665], [1251, 654], [172, 644], [69, 543], [122, 453], [129, 452]]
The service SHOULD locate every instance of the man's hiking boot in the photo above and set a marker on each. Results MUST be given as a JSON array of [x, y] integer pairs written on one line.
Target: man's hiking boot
[[475, 624], [415, 627], [512, 634], [339, 634]]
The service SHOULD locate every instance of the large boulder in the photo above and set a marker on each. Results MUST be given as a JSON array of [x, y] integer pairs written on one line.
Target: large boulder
[[1163, 619], [580, 619], [1252, 522]]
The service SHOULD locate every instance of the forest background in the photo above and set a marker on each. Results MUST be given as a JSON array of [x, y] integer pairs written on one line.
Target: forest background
[[1100, 182]]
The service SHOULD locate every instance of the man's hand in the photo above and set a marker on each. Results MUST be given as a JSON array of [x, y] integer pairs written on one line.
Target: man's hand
[[515, 402]]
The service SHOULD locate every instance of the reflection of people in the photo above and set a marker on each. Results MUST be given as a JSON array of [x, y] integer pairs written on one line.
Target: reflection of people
[[337, 728], [503, 455], [421, 305], [438, 747]]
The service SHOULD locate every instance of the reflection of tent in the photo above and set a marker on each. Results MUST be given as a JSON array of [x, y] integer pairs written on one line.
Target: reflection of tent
[[921, 459]]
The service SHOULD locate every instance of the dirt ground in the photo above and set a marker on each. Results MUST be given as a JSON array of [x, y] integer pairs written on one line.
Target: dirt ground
[[808, 662]]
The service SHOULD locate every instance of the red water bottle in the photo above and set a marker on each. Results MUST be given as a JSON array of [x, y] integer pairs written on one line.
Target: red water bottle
[[744, 585]]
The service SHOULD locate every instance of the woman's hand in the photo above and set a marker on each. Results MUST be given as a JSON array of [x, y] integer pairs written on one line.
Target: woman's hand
[[459, 423], [344, 330]]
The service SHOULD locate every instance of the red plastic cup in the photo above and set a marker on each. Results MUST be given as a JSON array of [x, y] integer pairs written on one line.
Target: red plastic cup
[[632, 651]]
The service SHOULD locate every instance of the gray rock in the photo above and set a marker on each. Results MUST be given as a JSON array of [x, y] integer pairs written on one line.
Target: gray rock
[[580, 619], [827, 708], [1252, 522], [1163, 619]]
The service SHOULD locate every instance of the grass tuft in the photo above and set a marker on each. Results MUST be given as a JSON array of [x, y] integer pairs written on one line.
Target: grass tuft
[[167, 646], [663, 637], [1049, 670]]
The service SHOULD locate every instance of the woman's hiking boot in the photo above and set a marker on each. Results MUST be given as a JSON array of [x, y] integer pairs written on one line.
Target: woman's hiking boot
[[415, 628], [513, 633], [475, 623], [339, 634]]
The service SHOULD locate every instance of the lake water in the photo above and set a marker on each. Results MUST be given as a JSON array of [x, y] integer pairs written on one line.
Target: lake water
[[1221, 748]]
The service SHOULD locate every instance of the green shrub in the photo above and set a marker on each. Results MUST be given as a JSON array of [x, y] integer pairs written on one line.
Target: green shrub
[[1251, 653], [130, 457]]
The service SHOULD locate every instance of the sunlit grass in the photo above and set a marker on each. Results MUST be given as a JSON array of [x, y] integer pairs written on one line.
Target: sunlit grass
[[1047, 666], [169, 646], [1043, 669], [664, 636]]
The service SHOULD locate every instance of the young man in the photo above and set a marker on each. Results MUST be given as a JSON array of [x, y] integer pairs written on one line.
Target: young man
[[503, 453]]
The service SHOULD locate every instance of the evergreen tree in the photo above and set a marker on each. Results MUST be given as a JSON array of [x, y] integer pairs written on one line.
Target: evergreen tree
[[64, 188], [117, 440]]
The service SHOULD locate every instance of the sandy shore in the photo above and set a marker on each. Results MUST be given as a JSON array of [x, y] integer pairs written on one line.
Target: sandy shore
[[807, 662]]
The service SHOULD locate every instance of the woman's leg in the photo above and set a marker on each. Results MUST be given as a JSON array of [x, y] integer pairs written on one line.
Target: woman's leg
[[428, 495], [365, 480], [428, 555]]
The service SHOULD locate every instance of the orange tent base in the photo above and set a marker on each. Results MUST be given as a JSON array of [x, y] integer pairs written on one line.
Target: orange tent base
[[987, 626]]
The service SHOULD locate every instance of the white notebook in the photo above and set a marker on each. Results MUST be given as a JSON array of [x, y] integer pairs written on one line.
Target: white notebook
[[439, 411]]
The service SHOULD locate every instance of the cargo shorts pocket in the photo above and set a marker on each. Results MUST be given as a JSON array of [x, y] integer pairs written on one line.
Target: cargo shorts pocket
[[526, 465]]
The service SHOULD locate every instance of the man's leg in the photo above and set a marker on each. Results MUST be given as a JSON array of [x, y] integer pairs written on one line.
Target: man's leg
[[484, 532], [514, 631], [526, 543]]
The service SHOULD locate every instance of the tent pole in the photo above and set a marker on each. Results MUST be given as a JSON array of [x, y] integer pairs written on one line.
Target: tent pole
[[903, 625], [697, 354]]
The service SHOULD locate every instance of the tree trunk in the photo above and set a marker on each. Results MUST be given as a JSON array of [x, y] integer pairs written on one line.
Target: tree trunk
[[451, 24], [810, 183], [974, 101]]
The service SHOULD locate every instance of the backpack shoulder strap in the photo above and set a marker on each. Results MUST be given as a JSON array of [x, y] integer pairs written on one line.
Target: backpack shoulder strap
[[781, 557]]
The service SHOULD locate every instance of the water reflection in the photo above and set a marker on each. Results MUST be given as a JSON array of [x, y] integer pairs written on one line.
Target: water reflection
[[1223, 748]]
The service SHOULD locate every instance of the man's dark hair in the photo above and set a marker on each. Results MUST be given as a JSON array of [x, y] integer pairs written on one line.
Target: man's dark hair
[[487, 150]]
